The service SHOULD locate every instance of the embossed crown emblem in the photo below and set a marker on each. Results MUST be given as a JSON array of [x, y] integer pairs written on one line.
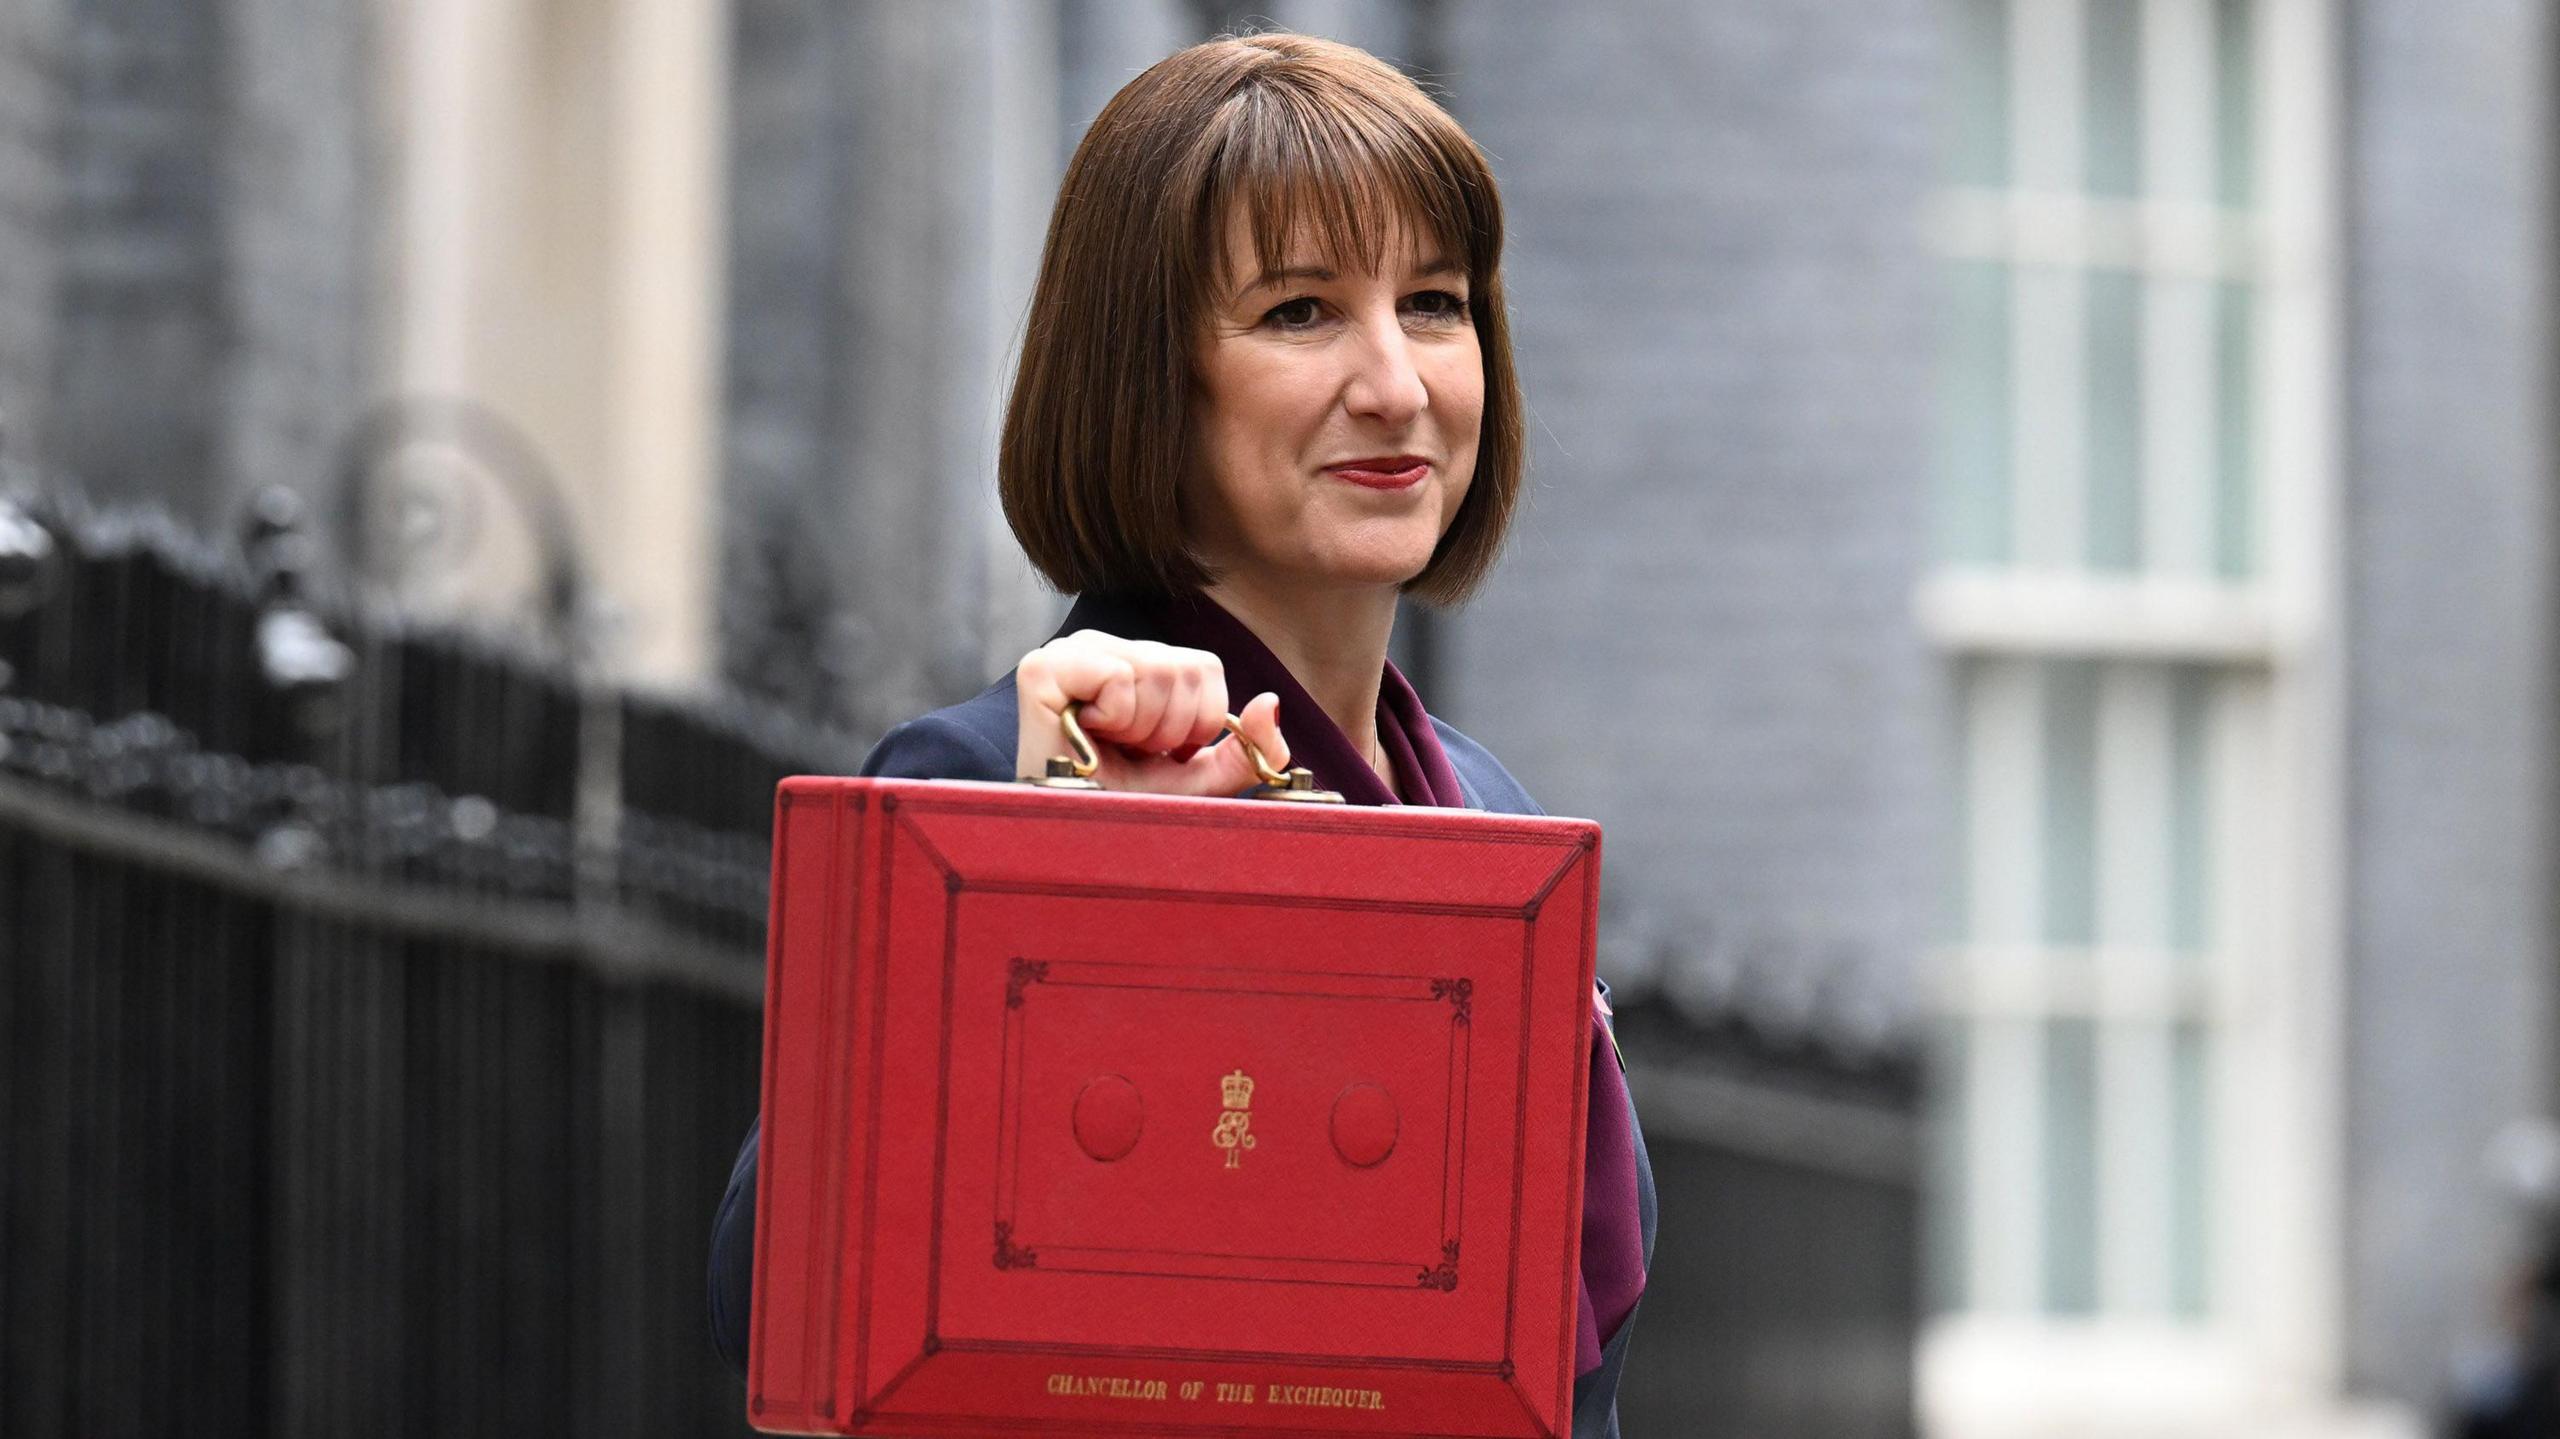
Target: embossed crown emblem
[[1238, 1090]]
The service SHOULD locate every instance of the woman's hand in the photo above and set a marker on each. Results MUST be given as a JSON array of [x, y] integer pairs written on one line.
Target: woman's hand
[[1150, 707]]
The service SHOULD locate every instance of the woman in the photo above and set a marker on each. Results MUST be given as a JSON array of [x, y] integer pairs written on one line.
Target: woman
[[1266, 387]]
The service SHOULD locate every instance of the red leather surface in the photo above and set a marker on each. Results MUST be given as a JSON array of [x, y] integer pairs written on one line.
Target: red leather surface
[[1113, 1114]]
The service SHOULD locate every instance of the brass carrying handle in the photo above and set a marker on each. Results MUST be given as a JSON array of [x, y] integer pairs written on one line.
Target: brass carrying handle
[[1075, 769]]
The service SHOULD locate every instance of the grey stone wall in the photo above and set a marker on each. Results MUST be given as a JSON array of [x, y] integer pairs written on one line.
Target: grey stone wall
[[1702, 635], [299, 175], [794, 130], [182, 255], [835, 156], [1103, 44], [2449, 629], [31, 64], [895, 163], [138, 323]]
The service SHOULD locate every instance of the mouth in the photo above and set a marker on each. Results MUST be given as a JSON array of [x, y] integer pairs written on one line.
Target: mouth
[[1382, 472]]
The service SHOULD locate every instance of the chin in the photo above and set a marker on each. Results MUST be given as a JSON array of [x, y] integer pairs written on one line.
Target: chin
[[1351, 555], [1384, 571], [1378, 554]]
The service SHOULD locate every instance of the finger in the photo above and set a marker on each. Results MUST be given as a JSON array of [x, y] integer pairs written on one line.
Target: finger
[[1209, 716], [1150, 688], [1060, 671], [1047, 681], [1112, 703], [1195, 705], [1181, 712]]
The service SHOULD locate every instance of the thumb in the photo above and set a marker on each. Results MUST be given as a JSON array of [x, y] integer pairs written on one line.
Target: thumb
[[1225, 767], [1259, 722]]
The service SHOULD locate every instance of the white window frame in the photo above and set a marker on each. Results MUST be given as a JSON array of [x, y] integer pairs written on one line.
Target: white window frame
[[2269, 1357]]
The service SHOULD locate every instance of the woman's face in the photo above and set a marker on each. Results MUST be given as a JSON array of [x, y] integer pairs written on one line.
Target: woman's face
[[1336, 416]]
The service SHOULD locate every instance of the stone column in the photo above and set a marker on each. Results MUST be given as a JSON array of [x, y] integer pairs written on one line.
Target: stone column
[[652, 515], [557, 260]]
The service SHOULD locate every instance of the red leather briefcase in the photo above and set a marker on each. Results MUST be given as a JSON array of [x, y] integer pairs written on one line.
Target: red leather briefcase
[[1113, 1114]]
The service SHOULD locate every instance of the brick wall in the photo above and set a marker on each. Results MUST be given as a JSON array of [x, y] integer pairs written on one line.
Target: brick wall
[[2449, 627], [182, 193], [1702, 635], [30, 217]]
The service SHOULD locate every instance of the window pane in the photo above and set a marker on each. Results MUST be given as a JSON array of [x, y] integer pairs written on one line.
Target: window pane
[[2134, 765], [2114, 116], [1974, 468], [2070, 803], [2235, 102], [2071, 1167], [2049, 493], [2115, 420], [2189, 1243], [2235, 478], [1978, 125], [2003, 706], [1956, 870], [2189, 862], [2179, 404]]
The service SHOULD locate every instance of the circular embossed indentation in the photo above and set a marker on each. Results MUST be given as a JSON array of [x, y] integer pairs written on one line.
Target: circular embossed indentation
[[1364, 1124], [1108, 1117]]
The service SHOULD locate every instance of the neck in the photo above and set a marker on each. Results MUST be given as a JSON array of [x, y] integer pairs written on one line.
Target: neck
[[1334, 641]]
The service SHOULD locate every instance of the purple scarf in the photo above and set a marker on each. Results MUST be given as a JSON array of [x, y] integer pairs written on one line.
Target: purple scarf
[[1612, 1235]]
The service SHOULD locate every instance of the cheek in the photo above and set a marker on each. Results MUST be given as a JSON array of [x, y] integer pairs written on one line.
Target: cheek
[[1239, 437], [1457, 389], [1266, 418], [1249, 396], [1459, 397], [1463, 413]]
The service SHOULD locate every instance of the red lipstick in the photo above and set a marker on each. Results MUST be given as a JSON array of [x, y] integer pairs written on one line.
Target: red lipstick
[[1382, 472]]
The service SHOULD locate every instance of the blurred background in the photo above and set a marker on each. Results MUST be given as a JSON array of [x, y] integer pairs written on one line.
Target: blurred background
[[2039, 553]]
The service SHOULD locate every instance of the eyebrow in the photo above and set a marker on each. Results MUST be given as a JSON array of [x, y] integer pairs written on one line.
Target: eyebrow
[[1268, 278]]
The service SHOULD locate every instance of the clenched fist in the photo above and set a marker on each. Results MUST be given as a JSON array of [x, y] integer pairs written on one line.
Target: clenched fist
[[1153, 710]]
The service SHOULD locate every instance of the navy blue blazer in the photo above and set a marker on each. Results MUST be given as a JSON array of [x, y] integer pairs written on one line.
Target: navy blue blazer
[[975, 740]]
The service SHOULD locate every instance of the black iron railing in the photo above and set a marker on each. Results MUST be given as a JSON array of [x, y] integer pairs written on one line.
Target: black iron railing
[[378, 1008]]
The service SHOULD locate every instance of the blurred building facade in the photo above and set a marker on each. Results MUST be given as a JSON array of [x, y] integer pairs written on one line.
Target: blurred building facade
[[2039, 537]]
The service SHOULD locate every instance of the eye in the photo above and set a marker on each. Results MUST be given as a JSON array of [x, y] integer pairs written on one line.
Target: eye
[[1298, 314], [1439, 305]]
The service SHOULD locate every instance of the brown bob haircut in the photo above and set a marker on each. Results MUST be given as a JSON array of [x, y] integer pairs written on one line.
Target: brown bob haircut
[[1310, 137]]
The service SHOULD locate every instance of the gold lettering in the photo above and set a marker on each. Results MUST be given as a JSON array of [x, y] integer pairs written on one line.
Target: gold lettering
[[1156, 1391], [1323, 1396], [1102, 1386]]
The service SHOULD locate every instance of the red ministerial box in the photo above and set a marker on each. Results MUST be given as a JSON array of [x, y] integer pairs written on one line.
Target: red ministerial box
[[1115, 1114]]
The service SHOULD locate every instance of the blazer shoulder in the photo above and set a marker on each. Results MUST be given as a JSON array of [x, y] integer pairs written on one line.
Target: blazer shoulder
[[970, 740], [1481, 775]]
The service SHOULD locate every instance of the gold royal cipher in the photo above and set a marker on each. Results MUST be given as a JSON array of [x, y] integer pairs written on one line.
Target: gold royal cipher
[[1233, 1133]]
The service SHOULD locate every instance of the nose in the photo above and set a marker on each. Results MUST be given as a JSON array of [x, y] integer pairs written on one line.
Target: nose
[[1384, 383]]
